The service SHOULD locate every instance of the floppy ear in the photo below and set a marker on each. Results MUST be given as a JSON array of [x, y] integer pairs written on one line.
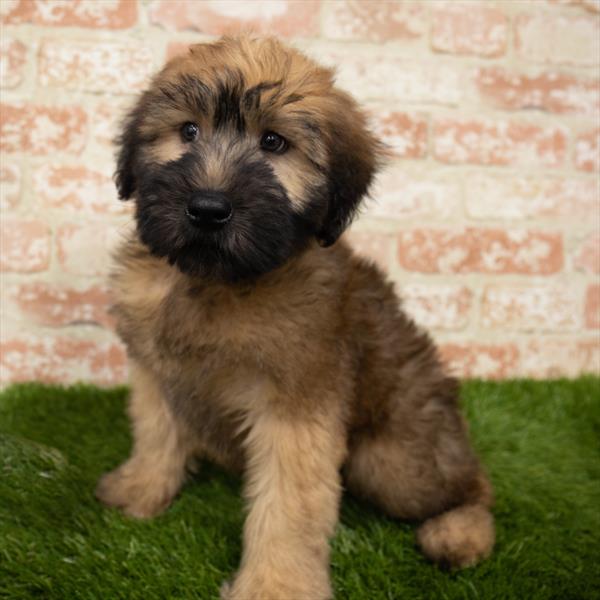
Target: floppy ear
[[353, 159], [127, 143]]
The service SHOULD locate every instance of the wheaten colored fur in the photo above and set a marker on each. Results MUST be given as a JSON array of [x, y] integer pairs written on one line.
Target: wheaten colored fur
[[303, 372]]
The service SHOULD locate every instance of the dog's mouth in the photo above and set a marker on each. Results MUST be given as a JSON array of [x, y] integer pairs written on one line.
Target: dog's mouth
[[227, 253], [213, 261]]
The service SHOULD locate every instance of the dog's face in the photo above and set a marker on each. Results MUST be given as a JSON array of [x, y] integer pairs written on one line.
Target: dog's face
[[239, 154]]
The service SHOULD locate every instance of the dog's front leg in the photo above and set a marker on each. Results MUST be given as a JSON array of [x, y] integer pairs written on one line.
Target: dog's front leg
[[293, 490], [144, 485]]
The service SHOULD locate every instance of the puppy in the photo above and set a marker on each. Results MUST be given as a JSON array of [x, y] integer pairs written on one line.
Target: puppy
[[258, 340]]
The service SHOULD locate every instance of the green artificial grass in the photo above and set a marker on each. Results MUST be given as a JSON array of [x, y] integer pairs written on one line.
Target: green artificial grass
[[539, 440]]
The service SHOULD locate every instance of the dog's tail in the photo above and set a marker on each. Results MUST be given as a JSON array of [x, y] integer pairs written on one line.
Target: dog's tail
[[462, 536]]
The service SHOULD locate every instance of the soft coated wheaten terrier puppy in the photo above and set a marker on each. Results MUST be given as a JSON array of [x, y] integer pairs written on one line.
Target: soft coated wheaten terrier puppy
[[258, 340]]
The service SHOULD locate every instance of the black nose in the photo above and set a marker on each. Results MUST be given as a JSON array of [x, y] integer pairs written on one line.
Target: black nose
[[209, 209]]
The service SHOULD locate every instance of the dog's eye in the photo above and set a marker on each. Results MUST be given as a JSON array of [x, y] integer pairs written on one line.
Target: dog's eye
[[273, 142], [189, 132]]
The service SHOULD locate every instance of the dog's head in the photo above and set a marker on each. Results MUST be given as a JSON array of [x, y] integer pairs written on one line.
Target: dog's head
[[238, 154]]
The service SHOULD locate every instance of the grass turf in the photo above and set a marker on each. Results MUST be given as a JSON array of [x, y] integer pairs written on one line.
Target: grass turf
[[539, 440]]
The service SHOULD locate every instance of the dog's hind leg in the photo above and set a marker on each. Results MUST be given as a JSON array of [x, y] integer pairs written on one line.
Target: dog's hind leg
[[145, 484], [419, 466]]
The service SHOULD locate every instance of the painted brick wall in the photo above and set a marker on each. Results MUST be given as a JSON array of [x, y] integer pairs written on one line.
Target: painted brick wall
[[487, 217]]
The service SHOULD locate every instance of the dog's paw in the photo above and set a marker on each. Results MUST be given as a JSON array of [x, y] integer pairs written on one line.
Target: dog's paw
[[135, 494], [275, 586]]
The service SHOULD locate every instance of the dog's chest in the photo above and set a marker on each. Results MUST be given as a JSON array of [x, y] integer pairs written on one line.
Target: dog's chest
[[211, 326], [204, 349], [217, 348], [204, 336]]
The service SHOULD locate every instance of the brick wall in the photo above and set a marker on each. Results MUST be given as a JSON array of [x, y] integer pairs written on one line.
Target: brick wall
[[487, 217]]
